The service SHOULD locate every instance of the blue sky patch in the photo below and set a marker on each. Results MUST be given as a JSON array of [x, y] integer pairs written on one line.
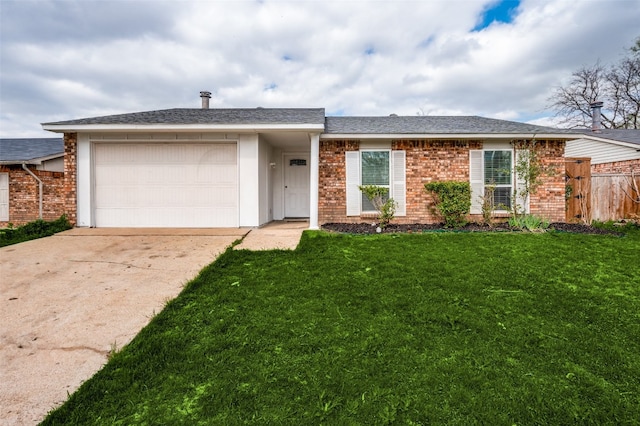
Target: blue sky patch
[[427, 41], [500, 11], [369, 51], [271, 86], [287, 58]]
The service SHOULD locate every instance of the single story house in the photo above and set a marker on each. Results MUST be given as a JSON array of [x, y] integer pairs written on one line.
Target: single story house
[[245, 167], [31, 180], [608, 164]]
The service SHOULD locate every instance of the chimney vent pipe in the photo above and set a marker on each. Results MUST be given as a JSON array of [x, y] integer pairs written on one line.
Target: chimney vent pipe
[[205, 99], [596, 124]]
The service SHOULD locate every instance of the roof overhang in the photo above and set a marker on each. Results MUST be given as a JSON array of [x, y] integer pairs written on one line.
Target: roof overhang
[[231, 128], [509, 136], [33, 161]]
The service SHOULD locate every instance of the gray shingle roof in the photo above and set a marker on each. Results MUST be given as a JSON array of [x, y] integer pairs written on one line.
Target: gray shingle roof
[[622, 135], [232, 116], [431, 125], [15, 151]]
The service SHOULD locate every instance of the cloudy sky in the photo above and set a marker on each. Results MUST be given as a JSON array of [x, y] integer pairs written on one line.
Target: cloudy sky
[[82, 58]]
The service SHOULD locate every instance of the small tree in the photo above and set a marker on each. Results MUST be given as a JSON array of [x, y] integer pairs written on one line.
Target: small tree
[[488, 204], [452, 201], [378, 197], [528, 171]]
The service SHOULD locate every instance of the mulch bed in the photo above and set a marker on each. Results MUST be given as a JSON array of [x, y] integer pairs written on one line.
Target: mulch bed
[[370, 228]]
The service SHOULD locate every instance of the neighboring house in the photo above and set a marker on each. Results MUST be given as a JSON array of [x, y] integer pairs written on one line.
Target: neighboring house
[[610, 150], [246, 167], [611, 178], [31, 180]]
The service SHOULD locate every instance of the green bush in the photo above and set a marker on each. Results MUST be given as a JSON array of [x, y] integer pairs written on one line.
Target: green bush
[[453, 201], [32, 230]]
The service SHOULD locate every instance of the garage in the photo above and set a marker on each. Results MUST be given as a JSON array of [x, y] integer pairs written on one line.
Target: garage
[[185, 185]]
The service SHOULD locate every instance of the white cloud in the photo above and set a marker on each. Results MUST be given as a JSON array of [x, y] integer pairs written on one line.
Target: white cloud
[[72, 59]]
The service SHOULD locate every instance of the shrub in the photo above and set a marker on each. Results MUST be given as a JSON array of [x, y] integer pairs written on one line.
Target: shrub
[[452, 201], [531, 223], [32, 230], [377, 196]]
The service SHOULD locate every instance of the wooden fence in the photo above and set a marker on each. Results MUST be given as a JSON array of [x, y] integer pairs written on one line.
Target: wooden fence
[[613, 197], [601, 196]]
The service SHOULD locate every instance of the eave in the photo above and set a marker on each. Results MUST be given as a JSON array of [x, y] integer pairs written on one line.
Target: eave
[[233, 128], [457, 136]]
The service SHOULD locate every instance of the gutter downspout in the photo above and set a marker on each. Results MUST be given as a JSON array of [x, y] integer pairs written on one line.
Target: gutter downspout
[[24, 166]]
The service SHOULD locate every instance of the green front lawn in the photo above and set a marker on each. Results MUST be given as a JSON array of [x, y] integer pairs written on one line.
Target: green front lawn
[[440, 328]]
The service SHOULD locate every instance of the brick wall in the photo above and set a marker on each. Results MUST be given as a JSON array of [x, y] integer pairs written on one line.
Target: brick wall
[[332, 194], [617, 167], [427, 161], [24, 198], [70, 176], [549, 200]]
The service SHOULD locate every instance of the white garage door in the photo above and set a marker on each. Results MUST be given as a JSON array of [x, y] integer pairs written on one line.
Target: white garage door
[[166, 185]]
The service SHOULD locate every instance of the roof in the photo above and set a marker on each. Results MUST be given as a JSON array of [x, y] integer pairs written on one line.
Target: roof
[[432, 125], [194, 116], [31, 151], [631, 136], [306, 119]]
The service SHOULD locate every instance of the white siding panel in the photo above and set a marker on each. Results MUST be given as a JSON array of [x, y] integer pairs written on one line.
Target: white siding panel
[[599, 152], [166, 185], [4, 197]]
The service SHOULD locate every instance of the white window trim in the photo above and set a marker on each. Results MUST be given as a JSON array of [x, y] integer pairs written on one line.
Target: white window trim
[[503, 185], [388, 185], [397, 181], [478, 185]]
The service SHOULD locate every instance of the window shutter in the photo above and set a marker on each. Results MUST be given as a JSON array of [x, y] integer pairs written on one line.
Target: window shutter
[[4, 196], [398, 181], [476, 179], [523, 204], [354, 196]]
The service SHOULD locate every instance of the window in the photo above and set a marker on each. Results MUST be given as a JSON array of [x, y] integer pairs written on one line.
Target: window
[[374, 171], [498, 171], [494, 167], [382, 167]]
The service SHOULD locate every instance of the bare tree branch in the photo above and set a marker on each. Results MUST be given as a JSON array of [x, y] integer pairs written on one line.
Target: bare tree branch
[[618, 86]]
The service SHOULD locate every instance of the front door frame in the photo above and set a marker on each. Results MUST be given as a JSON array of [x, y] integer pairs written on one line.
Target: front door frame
[[286, 157]]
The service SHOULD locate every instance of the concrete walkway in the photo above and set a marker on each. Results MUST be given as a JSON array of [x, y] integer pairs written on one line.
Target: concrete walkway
[[284, 235], [66, 301]]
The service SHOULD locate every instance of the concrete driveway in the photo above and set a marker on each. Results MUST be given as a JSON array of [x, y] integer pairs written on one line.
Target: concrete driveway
[[67, 300]]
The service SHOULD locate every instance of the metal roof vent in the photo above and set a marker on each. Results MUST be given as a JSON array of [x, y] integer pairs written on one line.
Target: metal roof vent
[[205, 99], [596, 124]]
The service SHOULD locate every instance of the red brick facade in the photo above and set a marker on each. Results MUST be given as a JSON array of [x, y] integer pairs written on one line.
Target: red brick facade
[[617, 167], [70, 176], [549, 200], [24, 204], [427, 161]]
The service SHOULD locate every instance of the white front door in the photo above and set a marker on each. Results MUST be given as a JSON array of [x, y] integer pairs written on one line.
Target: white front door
[[296, 185]]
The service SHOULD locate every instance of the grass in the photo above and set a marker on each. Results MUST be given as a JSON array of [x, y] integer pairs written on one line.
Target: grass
[[33, 230], [441, 328]]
